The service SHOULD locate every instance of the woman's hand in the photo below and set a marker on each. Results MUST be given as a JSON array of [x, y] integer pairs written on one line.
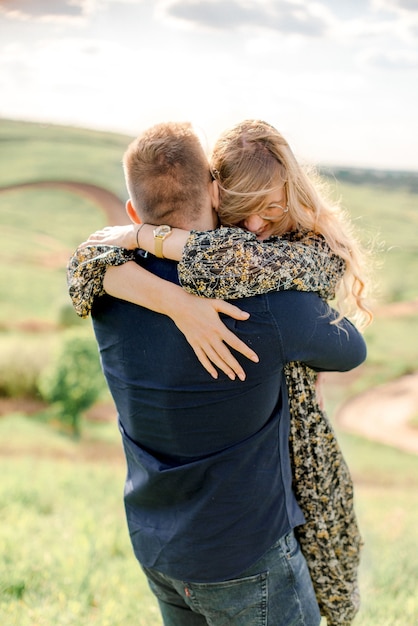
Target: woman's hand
[[198, 319], [121, 236]]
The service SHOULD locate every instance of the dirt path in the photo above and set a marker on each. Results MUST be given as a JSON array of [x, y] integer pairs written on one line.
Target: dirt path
[[110, 203], [381, 413]]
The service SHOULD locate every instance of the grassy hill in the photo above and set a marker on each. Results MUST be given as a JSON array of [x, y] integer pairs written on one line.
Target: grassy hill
[[32, 151], [41, 227]]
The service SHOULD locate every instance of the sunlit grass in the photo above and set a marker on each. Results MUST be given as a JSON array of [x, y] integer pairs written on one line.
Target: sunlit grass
[[389, 571], [67, 555], [392, 345]]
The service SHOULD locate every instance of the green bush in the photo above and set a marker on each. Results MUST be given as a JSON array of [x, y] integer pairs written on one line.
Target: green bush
[[21, 364], [73, 381], [67, 317]]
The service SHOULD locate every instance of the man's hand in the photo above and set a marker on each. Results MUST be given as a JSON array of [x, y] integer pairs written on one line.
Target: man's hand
[[121, 236], [199, 321]]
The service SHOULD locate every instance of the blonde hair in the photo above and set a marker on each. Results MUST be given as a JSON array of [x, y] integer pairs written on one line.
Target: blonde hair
[[167, 174], [253, 156]]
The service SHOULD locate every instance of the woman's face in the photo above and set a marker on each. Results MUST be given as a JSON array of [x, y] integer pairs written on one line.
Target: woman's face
[[273, 219]]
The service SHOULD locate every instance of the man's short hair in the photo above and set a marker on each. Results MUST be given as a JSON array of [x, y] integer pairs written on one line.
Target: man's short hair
[[167, 173]]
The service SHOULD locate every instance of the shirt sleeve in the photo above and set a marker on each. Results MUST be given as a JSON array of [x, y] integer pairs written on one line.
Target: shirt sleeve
[[86, 270], [229, 263], [309, 336]]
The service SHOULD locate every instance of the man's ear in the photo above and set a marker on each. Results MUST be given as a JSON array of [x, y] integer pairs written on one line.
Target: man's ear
[[132, 214], [214, 194]]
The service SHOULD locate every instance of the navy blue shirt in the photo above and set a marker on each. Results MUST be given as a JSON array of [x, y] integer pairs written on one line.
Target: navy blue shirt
[[208, 489]]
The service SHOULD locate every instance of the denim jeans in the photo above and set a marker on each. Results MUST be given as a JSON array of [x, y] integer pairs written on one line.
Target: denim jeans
[[276, 591]]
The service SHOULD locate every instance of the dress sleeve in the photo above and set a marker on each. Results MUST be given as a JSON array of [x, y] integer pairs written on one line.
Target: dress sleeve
[[86, 270], [229, 263]]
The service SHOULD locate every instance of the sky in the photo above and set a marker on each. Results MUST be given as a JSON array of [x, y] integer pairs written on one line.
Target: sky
[[338, 78]]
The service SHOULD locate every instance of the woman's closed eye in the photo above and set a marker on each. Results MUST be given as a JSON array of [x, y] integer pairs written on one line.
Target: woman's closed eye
[[274, 212]]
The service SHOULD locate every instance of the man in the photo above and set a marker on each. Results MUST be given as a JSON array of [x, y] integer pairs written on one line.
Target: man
[[208, 494]]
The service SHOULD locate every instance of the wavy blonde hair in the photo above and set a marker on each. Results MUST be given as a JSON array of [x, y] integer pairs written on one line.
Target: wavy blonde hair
[[253, 156]]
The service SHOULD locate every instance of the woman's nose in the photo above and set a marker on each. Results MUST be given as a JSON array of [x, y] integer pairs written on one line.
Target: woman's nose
[[254, 223]]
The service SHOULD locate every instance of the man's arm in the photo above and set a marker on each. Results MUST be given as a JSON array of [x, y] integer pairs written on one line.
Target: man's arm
[[309, 336]]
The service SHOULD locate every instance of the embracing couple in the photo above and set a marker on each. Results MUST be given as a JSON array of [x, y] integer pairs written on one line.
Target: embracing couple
[[238, 500]]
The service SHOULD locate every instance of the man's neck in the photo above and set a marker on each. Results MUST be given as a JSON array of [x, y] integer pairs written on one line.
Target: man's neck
[[209, 221]]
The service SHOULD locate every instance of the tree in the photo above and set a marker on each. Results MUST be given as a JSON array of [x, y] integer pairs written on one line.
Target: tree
[[73, 380]]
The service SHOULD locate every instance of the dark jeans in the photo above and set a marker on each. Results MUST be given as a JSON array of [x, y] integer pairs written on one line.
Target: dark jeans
[[276, 591]]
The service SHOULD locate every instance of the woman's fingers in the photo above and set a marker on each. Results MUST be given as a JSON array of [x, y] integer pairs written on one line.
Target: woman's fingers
[[229, 337], [212, 341], [122, 236], [219, 354]]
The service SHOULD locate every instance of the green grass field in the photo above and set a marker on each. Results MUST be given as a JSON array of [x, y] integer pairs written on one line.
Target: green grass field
[[66, 556]]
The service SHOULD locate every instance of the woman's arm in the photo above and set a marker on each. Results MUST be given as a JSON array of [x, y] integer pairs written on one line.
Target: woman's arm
[[86, 270], [197, 318], [224, 263], [232, 263], [95, 270], [229, 262], [139, 236]]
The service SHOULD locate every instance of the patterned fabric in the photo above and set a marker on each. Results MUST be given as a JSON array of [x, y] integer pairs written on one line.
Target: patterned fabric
[[229, 263], [86, 270], [330, 538]]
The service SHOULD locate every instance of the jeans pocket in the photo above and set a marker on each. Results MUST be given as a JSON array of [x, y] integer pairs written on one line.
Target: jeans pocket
[[238, 602]]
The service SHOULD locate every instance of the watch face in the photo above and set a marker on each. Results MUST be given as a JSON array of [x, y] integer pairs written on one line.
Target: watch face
[[160, 231]]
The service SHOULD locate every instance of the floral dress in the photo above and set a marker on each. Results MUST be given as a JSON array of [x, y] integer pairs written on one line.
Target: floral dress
[[229, 263]]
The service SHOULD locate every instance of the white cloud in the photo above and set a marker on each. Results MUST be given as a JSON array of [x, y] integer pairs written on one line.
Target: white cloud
[[397, 6], [311, 19], [391, 59], [59, 11]]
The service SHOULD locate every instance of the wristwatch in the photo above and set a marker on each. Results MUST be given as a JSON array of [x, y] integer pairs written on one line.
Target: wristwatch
[[160, 233]]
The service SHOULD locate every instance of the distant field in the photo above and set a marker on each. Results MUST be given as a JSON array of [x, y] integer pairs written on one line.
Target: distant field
[[388, 217], [41, 228], [45, 152]]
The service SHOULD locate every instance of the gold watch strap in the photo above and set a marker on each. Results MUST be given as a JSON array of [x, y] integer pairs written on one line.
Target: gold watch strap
[[160, 233], [158, 246]]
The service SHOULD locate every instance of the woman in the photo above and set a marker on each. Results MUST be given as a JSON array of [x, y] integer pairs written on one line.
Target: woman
[[316, 251]]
